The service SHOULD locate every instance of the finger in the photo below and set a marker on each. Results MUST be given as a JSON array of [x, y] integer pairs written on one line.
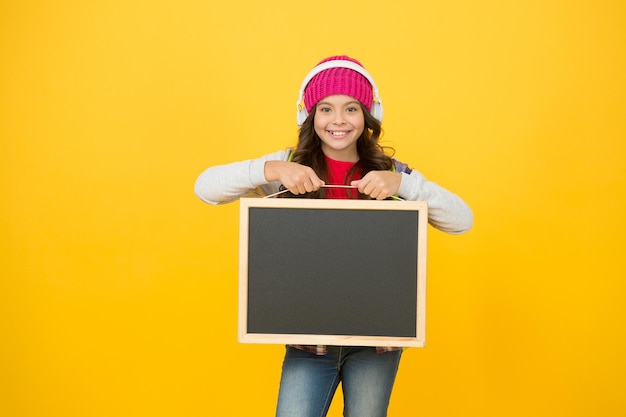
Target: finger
[[316, 182], [360, 185], [368, 189], [295, 188], [308, 186], [381, 196]]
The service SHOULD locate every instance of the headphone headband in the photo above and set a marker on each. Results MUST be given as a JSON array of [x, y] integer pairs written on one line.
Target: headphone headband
[[377, 105]]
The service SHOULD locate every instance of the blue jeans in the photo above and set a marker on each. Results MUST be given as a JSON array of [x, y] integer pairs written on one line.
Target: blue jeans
[[309, 381]]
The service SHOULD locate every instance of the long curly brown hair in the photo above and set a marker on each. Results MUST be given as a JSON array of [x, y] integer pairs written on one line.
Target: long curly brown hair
[[372, 156]]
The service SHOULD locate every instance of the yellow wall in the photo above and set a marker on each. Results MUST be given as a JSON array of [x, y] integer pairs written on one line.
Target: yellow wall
[[118, 286]]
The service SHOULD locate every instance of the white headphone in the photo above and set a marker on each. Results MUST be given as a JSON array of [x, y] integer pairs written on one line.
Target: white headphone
[[377, 104]]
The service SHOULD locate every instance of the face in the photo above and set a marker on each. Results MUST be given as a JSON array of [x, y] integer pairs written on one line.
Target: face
[[339, 122]]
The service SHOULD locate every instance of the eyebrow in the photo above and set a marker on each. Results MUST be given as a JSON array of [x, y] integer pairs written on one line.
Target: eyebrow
[[345, 104]]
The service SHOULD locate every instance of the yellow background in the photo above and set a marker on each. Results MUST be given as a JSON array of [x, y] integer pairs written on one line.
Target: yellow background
[[119, 287]]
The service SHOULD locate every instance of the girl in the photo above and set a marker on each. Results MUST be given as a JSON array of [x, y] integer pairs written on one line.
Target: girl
[[339, 113]]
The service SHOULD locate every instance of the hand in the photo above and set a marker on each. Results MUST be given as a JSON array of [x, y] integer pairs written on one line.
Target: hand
[[298, 179], [379, 184]]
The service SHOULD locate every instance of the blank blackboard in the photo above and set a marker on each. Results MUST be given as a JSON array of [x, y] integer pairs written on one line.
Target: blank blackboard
[[340, 272]]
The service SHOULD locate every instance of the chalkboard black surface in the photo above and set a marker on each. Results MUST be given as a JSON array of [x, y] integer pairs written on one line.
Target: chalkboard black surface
[[341, 272]]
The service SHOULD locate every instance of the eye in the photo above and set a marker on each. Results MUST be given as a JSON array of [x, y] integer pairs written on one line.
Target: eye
[[352, 109], [324, 109]]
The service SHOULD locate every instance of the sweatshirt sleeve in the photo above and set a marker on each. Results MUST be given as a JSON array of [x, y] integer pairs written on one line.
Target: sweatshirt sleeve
[[446, 211], [226, 183]]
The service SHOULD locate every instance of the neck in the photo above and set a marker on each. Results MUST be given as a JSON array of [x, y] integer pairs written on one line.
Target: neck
[[343, 155]]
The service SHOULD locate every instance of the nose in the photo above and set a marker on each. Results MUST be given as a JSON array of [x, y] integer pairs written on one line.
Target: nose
[[339, 118]]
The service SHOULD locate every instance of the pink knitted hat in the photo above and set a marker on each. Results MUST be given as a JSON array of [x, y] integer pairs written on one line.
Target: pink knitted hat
[[338, 81]]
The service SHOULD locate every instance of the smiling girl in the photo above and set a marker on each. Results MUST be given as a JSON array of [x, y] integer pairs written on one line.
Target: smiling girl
[[337, 156]]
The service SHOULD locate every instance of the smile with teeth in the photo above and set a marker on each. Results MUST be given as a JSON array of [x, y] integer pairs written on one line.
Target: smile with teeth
[[338, 133]]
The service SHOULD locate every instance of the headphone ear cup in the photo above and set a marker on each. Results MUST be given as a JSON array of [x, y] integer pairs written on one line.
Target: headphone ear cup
[[301, 116], [377, 111]]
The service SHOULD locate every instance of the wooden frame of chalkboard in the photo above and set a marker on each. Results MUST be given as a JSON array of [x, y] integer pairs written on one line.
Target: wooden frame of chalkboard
[[332, 272]]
